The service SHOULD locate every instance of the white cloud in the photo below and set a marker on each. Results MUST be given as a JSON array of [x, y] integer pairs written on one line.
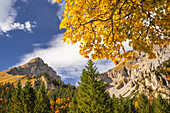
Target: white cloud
[[28, 26], [126, 45], [37, 44], [51, 1], [64, 59], [61, 9], [7, 18]]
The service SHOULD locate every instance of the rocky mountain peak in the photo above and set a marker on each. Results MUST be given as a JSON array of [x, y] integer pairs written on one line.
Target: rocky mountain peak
[[34, 62], [37, 59], [34, 67]]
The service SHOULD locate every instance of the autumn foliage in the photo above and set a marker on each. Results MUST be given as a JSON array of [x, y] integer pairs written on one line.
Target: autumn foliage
[[118, 104], [150, 99], [101, 26], [60, 105]]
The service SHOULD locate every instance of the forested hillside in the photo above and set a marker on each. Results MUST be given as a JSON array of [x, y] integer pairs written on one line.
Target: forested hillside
[[89, 97]]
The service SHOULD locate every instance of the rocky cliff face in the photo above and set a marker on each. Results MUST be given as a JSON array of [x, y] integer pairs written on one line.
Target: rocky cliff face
[[34, 67], [36, 71], [140, 75]]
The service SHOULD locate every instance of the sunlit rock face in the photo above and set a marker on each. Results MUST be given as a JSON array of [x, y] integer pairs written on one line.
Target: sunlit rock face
[[139, 75], [34, 67]]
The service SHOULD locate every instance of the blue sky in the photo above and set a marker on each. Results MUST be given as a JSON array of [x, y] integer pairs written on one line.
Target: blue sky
[[29, 29]]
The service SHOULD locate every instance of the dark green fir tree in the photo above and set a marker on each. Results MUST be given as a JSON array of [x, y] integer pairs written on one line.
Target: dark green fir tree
[[161, 105], [42, 104], [131, 107], [15, 105], [92, 95], [115, 104], [72, 108], [143, 102], [28, 98]]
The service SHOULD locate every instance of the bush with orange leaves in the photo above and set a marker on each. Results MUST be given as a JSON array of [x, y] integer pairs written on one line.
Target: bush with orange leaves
[[136, 105], [6, 100], [60, 105], [150, 99], [136, 102], [168, 78], [6, 88], [52, 103]]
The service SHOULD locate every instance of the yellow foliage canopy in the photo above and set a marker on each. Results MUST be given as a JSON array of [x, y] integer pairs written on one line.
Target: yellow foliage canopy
[[102, 25]]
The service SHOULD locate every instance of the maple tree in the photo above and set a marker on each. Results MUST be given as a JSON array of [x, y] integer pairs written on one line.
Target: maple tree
[[101, 26]]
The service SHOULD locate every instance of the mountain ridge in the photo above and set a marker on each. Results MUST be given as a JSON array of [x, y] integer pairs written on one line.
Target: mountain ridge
[[135, 76], [139, 75], [33, 68]]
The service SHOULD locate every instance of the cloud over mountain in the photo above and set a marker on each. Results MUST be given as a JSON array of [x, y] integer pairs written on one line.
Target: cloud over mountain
[[64, 59]]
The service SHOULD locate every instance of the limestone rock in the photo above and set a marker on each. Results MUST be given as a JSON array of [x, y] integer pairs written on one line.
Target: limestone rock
[[119, 85], [132, 84], [45, 82], [36, 83], [139, 73]]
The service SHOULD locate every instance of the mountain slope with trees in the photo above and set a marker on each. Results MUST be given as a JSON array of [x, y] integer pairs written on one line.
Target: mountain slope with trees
[[91, 94]]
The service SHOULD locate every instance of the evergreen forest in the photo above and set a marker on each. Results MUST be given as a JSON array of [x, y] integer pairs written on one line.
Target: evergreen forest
[[90, 96]]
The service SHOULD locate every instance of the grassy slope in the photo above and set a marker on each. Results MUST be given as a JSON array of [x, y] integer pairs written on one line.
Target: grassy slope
[[5, 77]]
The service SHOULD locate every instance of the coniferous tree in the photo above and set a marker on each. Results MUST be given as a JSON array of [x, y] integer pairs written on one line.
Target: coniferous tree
[[148, 108], [115, 104], [92, 97], [15, 105], [161, 105], [131, 107], [28, 98], [109, 104], [42, 104], [143, 102], [122, 104], [73, 106]]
